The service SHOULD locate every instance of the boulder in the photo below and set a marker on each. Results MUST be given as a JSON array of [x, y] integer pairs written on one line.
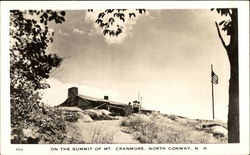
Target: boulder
[[84, 117], [97, 111], [31, 135], [219, 131], [105, 112], [99, 114], [72, 109]]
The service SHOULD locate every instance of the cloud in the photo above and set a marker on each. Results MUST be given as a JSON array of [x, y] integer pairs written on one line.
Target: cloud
[[62, 33], [91, 33], [127, 25], [76, 30]]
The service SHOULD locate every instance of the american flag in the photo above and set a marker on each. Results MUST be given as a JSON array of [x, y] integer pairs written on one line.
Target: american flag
[[215, 78]]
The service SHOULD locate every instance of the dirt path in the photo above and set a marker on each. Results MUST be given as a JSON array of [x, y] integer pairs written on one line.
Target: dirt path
[[107, 129]]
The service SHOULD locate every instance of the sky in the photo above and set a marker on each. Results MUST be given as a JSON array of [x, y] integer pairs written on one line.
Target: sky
[[165, 55]]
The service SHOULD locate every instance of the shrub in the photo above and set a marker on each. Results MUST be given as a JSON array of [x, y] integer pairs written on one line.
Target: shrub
[[71, 116], [154, 128], [135, 120], [45, 124]]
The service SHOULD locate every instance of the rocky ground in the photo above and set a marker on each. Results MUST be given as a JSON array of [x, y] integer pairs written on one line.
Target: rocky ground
[[96, 126], [105, 131]]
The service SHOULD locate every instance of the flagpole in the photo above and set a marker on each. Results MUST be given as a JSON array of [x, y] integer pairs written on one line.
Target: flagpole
[[138, 97], [212, 90]]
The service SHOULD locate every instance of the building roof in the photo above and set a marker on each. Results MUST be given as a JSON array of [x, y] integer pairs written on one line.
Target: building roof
[[100, 100]]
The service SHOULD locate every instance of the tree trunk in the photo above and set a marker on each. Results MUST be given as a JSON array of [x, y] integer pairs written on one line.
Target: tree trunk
[[233, 111]]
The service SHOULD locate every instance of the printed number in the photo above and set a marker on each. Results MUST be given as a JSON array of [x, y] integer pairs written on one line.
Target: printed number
[[19, 149]]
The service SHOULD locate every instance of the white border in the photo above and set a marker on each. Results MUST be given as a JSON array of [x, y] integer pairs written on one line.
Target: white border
[[243, 6]]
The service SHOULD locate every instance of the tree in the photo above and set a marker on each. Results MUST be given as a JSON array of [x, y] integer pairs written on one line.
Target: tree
[[231, 28], [30, 65]]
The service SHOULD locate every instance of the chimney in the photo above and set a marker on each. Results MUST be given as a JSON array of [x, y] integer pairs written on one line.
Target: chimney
[[106, 97], [73, 91]]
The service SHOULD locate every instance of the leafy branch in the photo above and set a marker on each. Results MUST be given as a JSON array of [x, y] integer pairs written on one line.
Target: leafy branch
[[108, 20]]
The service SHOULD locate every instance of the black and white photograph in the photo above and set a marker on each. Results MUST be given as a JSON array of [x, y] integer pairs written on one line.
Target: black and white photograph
[[125, 76]]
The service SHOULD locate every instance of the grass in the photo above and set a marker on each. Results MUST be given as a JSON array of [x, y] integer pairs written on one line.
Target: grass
[[155, 128], [99, 137]]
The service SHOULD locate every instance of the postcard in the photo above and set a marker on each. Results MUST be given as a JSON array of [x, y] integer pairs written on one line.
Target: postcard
[[81, 77]]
